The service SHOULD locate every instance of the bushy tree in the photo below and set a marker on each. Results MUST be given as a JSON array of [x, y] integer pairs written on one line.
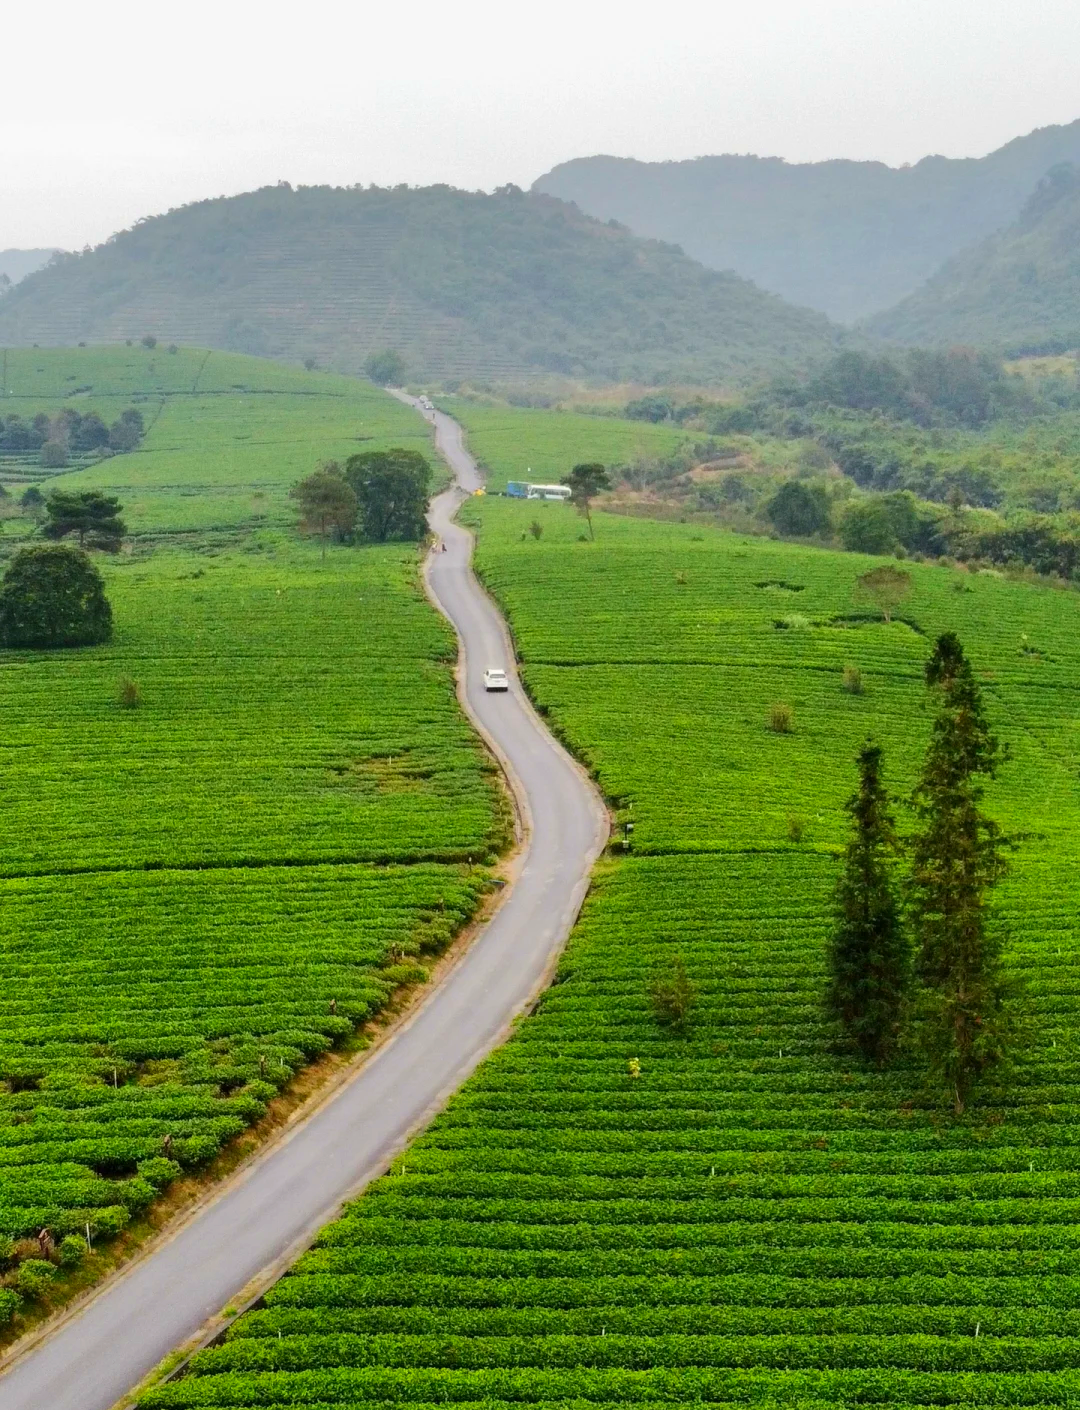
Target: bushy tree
[[870, 959], [386, 368], [52, 595], [886, 587], [327, 504], [957, 857], [799, 509], [585, 482], [391, 488], [91, 515]]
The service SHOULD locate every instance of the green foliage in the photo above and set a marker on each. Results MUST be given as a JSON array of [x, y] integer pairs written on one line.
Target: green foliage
[[870, 955], [391, 489], [386, 369], [673, 996], [328, 505], [92, 516], [586, 481], [457, 283], [799, 509], [957, 857], [886, 587], [35, 1277], [53, 455], [53, 596], [651, 408], [128, 694]]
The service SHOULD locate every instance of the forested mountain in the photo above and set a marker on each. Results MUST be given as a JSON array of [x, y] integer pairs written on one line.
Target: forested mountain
[[1018, 291], [845, 237], [17, 264], [501, 286]]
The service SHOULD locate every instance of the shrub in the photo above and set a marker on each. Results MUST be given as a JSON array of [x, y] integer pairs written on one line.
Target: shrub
[[52, 596], [795, 828], [853, 681], [71, 1251], [149, 341], [128, 695], [673, 997], [536, 528], [781, 718], [34, 1277], [54, 455], [10, 1302]]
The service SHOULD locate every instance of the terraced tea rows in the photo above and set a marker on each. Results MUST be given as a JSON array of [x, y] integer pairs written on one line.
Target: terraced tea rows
[[610, 1213], [202, 894]]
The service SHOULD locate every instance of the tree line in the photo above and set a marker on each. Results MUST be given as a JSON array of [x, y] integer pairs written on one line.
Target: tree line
[[69, 432], [916, 966]]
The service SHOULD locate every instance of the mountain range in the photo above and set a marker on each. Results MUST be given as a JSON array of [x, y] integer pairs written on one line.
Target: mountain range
[[848, 238]]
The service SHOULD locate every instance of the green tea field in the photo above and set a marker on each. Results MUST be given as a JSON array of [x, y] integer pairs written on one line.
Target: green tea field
[[611, 1213], [227, 435], [200, 895], [511, 443]]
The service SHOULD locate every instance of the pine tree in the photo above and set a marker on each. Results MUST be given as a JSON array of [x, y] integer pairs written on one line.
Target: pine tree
[[957, 857], [871, 956]]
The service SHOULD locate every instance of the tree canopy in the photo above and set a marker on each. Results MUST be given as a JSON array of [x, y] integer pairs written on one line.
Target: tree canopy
[[585, 482], [52, 595], [328, 505], [391, 488], [92, 516]]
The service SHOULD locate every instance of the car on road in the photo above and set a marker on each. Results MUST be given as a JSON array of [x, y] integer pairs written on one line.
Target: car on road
[[495, 678]]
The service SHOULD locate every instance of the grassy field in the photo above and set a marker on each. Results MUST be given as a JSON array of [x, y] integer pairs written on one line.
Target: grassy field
[[748, 1217], [200, 895], [515, 444]]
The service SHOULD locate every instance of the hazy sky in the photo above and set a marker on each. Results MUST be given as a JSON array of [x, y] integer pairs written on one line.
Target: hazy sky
[[120, 109]]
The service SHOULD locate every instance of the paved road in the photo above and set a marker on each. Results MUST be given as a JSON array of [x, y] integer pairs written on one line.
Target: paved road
[[277, 1205]]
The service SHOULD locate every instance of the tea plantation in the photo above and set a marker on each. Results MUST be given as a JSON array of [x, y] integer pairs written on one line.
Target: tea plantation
[[201, 894], [611, 1213]]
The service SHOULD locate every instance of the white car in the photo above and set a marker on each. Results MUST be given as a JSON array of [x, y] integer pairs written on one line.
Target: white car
[[495, 678]]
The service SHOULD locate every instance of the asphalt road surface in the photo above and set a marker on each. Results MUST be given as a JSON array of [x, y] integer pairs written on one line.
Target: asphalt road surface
[[276, 1206]]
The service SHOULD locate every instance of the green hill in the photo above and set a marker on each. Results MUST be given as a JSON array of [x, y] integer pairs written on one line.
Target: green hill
[[845, 237], [463, 285], [1018, 290]]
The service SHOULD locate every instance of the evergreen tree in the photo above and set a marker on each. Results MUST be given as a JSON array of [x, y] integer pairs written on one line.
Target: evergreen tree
[[957, 857], [871, 957]]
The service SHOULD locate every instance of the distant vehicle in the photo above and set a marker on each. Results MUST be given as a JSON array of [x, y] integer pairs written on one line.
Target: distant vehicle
[[523, 489], [425, 402], [495, 678]]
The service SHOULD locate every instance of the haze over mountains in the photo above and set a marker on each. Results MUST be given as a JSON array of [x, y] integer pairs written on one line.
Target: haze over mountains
[[17, 264], [1019, 289], [848, 238], [462, 284]]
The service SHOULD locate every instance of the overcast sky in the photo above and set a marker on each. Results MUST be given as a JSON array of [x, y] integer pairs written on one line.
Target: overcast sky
[[116, 110]]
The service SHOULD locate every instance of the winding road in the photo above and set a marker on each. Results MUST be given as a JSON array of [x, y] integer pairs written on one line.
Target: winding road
[[273, 1208]]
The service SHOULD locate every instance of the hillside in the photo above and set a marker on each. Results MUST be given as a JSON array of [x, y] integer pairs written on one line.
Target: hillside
[[509, 285], [845, 237], [1019, 289], [17, 264]]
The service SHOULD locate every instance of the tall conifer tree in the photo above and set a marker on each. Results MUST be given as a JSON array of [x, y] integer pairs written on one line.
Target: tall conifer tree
[[957, 856], [871, 956]]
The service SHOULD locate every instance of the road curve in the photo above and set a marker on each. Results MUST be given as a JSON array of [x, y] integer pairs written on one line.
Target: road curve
[[274, 1207]]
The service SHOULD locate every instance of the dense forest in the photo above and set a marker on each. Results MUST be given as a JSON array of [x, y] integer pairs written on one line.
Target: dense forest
[[845, 237], [506, 285]]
